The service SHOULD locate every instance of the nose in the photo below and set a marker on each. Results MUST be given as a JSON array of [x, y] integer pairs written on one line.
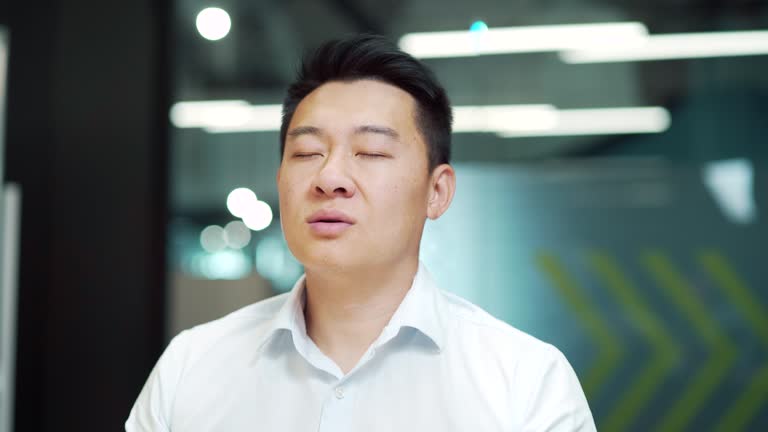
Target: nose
[[333, 180]]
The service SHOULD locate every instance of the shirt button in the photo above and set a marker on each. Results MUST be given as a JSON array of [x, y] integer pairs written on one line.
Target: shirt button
[[339, 393]]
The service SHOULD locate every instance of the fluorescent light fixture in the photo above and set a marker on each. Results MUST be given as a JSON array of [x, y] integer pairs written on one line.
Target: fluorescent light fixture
[[507, 40], [202, 113], [675, 46], [601, 121], [238, 116], [493, 118], [505, 120], [260, 118], [731, 184], [226, 116]]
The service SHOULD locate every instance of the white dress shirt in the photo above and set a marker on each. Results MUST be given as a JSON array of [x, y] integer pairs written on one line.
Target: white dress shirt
[[441, 364]]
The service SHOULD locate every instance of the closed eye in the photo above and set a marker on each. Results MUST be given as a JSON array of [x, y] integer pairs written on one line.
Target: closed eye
[[305, 155], [373, 155]]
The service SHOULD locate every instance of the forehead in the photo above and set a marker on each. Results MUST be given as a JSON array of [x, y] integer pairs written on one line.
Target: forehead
[[338, 103]]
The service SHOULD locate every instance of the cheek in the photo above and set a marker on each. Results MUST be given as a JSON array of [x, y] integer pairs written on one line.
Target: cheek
[[288, 199], [405, 200], [288, 186]]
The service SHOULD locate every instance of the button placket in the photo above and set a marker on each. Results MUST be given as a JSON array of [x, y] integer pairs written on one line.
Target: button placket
[[335, 416]]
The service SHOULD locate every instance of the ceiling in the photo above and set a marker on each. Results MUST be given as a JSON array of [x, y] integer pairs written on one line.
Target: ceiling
[[256, 61]]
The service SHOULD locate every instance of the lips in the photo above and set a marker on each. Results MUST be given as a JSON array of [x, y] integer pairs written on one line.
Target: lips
[[329, 222], [330, 216]]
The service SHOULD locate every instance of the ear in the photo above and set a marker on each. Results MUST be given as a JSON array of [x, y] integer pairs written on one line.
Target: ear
[[442, 185]]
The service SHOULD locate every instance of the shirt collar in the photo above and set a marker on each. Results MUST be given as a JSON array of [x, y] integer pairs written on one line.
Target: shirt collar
[[421, 309], [290, 316]]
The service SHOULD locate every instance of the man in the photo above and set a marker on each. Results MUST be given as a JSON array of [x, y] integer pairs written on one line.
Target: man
[[365, 341]]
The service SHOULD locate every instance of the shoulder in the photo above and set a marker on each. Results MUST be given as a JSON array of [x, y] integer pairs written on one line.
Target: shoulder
[[471, 322], [535, 375], [251, 322], [212, 341], [249, 315]]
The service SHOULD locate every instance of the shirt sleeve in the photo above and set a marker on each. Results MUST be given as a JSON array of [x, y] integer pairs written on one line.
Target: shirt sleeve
[[152, 410], [558, 404]]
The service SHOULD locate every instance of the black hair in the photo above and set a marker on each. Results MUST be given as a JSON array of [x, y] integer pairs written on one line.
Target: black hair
[[374, 57]]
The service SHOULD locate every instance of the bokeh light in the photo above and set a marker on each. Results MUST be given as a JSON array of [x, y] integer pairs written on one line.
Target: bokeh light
[[478, 26], [212, 238], [237, 235], [240, 201], [276, 263], [225, 264], [213, 23], [259, 216]]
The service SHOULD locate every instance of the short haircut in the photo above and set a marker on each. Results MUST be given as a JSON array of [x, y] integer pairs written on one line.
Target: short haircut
[[373, 57]]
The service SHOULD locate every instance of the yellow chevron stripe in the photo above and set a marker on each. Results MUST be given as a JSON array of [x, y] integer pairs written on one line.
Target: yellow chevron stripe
[[744, 408], [736, 290], [709, 376], [747, 405], [665, 352], [609, 350]]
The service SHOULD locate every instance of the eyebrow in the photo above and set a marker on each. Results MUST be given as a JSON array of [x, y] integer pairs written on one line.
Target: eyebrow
[[364, 129], [304, 130], [381, 130]]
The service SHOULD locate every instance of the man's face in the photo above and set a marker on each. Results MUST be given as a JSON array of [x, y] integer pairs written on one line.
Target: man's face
[[353, 180]]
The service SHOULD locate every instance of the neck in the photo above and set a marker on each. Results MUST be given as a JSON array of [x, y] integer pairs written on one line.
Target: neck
[[346, 312]]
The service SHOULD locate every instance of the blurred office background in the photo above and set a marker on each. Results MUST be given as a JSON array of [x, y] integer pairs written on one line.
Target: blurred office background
[[612, 167]]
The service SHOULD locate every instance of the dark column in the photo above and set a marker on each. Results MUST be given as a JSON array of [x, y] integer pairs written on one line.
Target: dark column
[[87, 142]]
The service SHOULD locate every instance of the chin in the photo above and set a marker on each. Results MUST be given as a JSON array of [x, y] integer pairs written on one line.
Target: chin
[[330, 257], [334, 257]]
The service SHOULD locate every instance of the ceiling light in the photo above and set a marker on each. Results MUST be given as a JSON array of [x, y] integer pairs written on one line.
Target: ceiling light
[[492, 118], [226, 116], [213, 23], [505, 120], [676, 46], [601, 121], [260, 118], [506, 40]]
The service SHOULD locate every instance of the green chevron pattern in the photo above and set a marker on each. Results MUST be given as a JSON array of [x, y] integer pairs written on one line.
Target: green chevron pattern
[[608, 348], [748, 404], [709, 376], [621, 409], [744, 408], [665, 355]]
